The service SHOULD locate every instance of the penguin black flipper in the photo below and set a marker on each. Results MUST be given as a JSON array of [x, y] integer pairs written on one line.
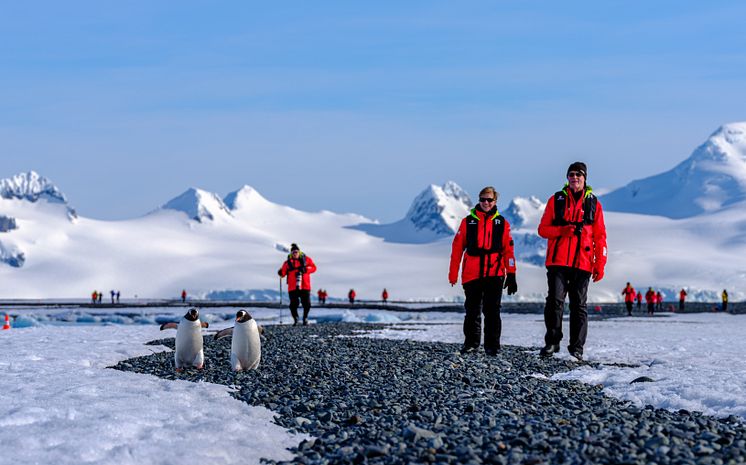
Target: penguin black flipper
[[224, 333]]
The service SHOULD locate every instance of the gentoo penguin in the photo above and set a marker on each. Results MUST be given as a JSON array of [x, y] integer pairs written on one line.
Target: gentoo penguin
[[188, 340], [246, 346]]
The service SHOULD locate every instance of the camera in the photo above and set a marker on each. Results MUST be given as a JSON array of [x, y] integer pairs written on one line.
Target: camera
[[578, 228]]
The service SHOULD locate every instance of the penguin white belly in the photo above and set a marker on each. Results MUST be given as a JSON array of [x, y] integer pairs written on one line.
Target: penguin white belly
[[189, 344], [246, 346]]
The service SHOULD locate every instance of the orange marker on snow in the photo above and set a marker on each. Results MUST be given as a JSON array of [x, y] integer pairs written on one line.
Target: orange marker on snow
[[7, 322]]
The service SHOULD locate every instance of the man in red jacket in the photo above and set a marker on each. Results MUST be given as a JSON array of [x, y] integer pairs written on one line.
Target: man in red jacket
[[573, 223], [629, 297], [488, 264], [650, 299], [298, 268]]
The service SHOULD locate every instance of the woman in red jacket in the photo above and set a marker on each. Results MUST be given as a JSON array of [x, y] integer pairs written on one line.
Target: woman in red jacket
[[483, 248], [298, 268]]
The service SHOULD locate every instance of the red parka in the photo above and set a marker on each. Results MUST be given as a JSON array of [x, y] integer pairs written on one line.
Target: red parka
[[650, 296], [629, 294], [682, 295], [563, 246], [485, 262], [304, 265]]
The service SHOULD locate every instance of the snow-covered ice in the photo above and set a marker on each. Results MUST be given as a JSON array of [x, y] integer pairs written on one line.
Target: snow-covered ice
[[62, 405]]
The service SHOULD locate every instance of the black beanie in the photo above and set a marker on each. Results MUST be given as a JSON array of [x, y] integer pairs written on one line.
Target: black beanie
[[294, 247], [578, 166]]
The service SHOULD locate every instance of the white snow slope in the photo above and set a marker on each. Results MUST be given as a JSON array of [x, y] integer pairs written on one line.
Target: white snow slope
[[204, 244]]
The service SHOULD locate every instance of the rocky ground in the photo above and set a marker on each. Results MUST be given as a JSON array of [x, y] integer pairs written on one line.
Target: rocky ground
[[386, 401]]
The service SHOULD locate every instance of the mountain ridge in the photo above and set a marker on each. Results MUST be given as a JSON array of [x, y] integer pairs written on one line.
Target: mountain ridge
[[710, 179]]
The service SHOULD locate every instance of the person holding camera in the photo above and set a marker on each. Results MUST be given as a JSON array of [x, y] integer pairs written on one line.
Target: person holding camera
[[298, 268], [483, 248], [573, 224]]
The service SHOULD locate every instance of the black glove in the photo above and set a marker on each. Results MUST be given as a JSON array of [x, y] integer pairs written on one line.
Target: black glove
[[510, 284], [279, 272], [578, 229]]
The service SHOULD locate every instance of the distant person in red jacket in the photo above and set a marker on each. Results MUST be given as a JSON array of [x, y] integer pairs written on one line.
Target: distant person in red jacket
[[320, 295], [682, 298], [298, 268], [324, 296], [650, 299], [639, 301], [483, 248], [629, 297], [573, 224], [658, 301], [351, 296], [183, 295], [385, 296]]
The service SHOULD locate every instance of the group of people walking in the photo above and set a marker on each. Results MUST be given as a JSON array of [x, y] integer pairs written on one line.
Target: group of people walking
[[483, 251], [97, 297], [654, 299]]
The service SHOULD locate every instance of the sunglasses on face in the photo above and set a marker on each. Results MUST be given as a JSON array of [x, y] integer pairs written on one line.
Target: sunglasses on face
[[574, 174], [486, 199]]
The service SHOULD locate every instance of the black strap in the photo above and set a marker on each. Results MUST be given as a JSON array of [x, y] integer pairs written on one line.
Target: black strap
[[560, 203], [472, 235]]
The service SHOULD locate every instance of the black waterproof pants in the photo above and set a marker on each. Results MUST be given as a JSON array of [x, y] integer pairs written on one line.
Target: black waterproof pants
[[300, 297], [629, 308], [564, 281], [651, 308], [483, 295]]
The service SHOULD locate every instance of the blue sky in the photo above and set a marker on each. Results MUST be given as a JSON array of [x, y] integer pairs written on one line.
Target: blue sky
[[358, 106]]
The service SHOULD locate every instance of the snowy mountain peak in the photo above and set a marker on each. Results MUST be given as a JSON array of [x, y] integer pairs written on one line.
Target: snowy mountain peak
[[733, 134], [32, 187], [199, 205], [453, 190], [713, 177], [524, 212], [245, 197], [439, 208]]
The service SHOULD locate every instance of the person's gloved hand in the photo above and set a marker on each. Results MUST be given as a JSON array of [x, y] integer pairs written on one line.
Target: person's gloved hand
[[452, 280], [510, 284], [279, 272], [598, 275], [567, 230]]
